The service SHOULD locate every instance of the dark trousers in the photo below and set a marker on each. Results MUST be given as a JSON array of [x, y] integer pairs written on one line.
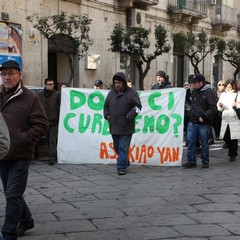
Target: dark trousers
[[14, 175], [217, 122], [232, 143], [121, 144], [52, 141]]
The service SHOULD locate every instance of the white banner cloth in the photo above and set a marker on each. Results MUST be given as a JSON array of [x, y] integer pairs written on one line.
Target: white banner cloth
[[84, 136]]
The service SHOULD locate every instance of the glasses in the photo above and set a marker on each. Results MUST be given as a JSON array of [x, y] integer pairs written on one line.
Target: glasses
[[10, 74], [221, 84]]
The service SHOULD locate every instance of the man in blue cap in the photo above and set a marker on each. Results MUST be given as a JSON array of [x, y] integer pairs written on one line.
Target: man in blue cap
[[98, 84], [27, 123]]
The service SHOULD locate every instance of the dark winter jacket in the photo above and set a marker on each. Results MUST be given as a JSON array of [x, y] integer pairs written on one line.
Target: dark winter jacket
[[203, 104], [51, 103], [26, 120], [120, 111], [166, 84]]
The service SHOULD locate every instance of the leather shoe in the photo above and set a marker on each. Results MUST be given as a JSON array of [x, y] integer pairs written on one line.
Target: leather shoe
[[211, 142], [232, 159], [51, 161], [189, 165], [205, 165], [22, 228], [224, 145]]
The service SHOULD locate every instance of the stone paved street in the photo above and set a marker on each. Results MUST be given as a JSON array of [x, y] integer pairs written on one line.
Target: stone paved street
[[91, 202]]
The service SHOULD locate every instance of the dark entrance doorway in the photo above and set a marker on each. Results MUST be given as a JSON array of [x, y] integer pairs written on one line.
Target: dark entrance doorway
[[52, 68]]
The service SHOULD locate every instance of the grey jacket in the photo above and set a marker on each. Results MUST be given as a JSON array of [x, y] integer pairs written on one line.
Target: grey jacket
[[4, 138]]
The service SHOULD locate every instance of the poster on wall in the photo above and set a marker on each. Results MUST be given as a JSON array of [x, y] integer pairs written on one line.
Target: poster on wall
[[84, 136], [10, 43]]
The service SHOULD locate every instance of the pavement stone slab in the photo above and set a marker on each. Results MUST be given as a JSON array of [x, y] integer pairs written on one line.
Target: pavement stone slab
[[91, 202], [214, 217], [150, 233], [104, 235], [202, 230]]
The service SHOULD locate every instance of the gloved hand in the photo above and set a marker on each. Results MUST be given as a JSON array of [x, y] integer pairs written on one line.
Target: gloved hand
[[133, 113]]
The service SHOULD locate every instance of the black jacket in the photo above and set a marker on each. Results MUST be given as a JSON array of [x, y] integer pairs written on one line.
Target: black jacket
[[119, 110], [203, 104], [51, 103], [166, 84]]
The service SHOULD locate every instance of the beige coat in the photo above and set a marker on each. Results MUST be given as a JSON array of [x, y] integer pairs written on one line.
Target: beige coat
[[4, 138], [229, 116]]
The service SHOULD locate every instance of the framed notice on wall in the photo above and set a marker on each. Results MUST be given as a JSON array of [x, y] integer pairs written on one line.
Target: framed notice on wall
[[10, 43]]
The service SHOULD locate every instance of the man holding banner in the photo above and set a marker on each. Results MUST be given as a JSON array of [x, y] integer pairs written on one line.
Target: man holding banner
[[121, 107]]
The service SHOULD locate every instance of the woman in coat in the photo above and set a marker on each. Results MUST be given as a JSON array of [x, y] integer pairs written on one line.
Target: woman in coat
[[230, 129]]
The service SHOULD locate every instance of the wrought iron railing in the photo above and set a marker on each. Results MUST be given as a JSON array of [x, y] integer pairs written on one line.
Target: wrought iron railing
[[190, 5], [151, 2], [225, 15]]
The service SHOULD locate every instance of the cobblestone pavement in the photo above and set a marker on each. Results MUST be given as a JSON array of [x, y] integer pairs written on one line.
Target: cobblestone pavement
[[91, 202]]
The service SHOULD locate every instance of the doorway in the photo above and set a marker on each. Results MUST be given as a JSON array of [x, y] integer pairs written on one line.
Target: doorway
[[217, 69], [178, 68], [52, 68]]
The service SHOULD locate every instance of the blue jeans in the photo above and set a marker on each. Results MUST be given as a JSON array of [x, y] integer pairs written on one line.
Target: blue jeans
[[121, 144], [195, 131], [14, 176]]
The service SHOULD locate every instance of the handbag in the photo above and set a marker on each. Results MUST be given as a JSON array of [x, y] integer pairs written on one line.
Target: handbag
[[237, 110]]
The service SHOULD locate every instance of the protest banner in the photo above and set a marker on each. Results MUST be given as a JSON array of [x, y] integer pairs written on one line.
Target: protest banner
[[84, 136]]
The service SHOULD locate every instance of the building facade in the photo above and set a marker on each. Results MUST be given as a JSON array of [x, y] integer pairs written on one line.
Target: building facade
[[40, 60]]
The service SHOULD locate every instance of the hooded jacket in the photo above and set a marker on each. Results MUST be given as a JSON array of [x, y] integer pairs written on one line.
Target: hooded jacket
[[203, 104], [26, 120], [121, 108]]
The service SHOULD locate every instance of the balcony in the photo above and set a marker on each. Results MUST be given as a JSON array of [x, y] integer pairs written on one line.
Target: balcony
[[73, 1], [187, 11], [224, 18], [140, 4]]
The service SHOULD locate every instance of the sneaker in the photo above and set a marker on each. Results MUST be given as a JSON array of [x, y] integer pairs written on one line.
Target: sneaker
[[189, 165], [23, 228], [205, 165], [122, 172]]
